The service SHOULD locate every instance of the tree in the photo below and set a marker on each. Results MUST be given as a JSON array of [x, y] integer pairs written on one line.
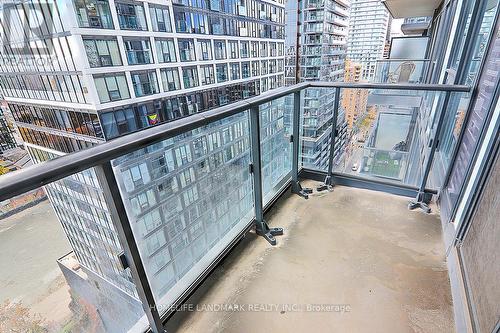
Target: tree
[[16, 318], [3, 170]]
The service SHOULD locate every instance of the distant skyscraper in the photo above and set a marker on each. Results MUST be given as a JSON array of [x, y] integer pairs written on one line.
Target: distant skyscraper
[[369, 28], [104, 69], [315, 51]]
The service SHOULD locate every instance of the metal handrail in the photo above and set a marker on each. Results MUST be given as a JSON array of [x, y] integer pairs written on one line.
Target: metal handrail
[[401, 59], [30, 178], [391, 86]]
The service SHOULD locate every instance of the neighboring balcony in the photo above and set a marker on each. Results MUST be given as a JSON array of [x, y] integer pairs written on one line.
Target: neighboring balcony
[[182, 194], [401, 70]]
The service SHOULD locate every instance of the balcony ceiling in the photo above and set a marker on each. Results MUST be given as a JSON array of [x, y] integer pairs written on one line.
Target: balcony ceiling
[[414, 28], [411, 8]]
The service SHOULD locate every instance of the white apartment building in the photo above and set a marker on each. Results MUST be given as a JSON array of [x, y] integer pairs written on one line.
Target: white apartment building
[[92, 70], [369, 29]]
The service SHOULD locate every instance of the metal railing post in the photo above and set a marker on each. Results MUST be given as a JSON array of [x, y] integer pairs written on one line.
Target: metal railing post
[[261, 227], [296, 187], [420, 200], [333, 137], [130, 258]]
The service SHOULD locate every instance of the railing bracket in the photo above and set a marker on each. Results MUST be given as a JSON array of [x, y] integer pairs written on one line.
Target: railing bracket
[[302, 191], [262, 229], [415, 204], [326, 185], [420, 202], [323, 187]]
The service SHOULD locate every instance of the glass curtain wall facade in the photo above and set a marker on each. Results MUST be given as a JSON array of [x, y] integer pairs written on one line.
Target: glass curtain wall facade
[[369, 25]]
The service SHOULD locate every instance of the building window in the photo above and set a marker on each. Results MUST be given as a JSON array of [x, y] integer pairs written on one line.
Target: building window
[[263, 85], [131, 17], [190, 77], [235, 71], [272, 48], [281, 65], [244, 49], [205, 50], [263, 49], [281, 48], [186, 49], [170, 79], [245, 70], [160, 19], [263, 67], [119, 122], [93, 14], [272, 66], [207, 75], [145, 83], [138, 51], [112, 88], [190, 22], [102, 52], [221, 70], [220, 49], [233, 49], [255, 49], [217, 25], [165, 50], [255, 68], [215, 5]]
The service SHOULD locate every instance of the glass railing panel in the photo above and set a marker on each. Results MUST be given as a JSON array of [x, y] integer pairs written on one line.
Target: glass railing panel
[[276, 122], [187, 198], [57, 239], [453, 121], [316, 118], [401, 71], [388, 133]]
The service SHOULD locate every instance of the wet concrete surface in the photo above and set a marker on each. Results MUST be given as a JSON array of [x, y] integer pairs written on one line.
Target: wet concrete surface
[[351, 260]]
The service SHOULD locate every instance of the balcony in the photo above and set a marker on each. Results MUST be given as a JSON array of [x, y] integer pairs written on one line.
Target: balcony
[[181, 195]]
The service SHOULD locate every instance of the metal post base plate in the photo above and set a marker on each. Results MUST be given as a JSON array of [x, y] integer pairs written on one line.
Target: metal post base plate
[[299, 190], [420, 202], [422, 205], [269, 233], [327, 185]]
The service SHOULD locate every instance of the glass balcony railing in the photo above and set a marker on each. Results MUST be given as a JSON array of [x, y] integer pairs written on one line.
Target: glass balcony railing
[[179, 195], [382, 134], [401, 71]]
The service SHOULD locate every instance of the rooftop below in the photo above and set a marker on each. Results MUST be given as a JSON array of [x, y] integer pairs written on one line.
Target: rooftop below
[[361, 254]]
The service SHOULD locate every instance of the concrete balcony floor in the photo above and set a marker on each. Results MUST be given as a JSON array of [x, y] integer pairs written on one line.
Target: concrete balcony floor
[[352, 247]]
